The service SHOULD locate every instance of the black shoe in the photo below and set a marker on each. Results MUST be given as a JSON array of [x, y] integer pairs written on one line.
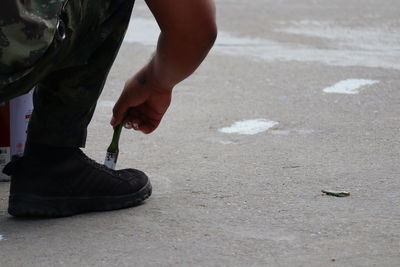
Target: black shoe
[[68, 182]]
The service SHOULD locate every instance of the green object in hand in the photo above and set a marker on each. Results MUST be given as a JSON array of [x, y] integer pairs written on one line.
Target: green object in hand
[[113, 150]]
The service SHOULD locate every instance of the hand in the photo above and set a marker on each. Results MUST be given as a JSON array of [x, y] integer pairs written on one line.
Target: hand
[[142, 103]]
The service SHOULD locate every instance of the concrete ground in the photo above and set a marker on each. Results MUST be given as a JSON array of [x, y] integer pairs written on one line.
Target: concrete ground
[[229, 199]]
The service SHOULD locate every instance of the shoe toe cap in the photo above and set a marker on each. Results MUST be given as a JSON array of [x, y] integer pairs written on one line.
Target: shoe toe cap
[[136, 178]]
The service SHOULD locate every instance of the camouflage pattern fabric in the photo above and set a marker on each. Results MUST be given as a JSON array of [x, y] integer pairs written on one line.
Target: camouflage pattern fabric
[[27, 29], [70, 75]]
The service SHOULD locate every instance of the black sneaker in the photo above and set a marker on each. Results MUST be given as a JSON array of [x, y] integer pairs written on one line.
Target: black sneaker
[[68, 183]]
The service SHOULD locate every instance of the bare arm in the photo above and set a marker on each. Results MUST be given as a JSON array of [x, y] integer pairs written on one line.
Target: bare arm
[[188, 31]]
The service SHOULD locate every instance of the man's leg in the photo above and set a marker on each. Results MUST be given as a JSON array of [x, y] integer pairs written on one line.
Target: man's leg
[[65, 99], [54, 178]]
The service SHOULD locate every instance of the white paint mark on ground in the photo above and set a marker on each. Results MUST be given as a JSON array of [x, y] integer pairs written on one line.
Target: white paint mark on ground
[[249, 127], [350, 86], [2, 238]]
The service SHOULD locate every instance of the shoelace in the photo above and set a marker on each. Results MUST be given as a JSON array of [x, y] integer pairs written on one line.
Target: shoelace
[[97, 165]]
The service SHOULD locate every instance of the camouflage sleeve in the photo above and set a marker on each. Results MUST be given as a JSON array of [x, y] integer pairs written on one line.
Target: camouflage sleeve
[[27, 29]]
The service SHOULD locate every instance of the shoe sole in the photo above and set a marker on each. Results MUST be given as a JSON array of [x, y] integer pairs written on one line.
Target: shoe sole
[[36, 206]]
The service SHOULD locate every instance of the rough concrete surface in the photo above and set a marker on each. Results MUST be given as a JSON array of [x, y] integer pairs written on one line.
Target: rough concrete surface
[[228, 199]]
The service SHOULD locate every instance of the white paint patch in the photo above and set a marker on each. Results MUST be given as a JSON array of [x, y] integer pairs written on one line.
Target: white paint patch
[[350, 86], [2, 238], [249, 127]]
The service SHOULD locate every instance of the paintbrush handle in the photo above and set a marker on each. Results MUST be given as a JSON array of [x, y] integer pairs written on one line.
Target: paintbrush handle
[[113, 147]]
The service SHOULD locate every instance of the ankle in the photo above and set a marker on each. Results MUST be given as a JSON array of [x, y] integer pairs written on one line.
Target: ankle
[[44, 150]]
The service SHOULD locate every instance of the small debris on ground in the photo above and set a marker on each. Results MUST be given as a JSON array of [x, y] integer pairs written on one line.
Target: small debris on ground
[[336, 193], [292, 167]]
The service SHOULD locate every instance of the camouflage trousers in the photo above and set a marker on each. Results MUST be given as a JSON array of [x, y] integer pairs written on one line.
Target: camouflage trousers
[[70, 77]]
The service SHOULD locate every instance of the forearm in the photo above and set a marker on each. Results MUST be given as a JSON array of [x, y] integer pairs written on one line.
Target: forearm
[[188, 31], [175, 59]]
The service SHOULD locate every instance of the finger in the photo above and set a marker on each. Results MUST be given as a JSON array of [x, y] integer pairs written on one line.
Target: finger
[[140, 119], [132, 124], [149, 126], [127, 125], [119, 111], [134, 119], [150, 112], [145, 128]]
